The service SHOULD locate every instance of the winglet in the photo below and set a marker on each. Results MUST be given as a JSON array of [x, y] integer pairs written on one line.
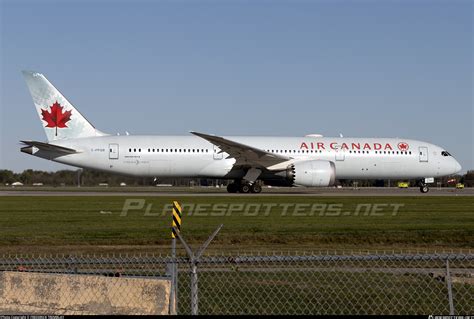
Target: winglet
[[204, 136]]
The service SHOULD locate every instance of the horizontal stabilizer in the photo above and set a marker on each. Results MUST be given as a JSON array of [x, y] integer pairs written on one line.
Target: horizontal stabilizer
[[46, 147]]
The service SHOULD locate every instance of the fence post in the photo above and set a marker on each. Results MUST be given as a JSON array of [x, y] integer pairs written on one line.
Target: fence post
[[194, 260], [175, 229], [194, 289], [175, 279], [174, 276], [450, 289]]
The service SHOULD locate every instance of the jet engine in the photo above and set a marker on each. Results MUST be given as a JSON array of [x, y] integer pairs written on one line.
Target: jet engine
[[312, 173]]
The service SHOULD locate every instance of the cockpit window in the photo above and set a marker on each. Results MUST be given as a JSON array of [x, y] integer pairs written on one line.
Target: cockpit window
[[444, 153]]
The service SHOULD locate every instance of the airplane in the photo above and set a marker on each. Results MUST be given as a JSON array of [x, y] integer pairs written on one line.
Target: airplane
[[311, 160]]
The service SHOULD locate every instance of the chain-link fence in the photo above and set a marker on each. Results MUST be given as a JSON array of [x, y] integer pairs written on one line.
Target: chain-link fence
[[277, 284], [349, 284]]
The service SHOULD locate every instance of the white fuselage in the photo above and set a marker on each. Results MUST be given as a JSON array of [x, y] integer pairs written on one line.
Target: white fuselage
[[312, 160], [192, 156]]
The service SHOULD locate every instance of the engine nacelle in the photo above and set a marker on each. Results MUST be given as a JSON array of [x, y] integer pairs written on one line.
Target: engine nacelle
[[312, 173]]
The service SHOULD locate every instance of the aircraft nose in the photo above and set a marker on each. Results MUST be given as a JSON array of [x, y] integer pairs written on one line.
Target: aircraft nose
[[457, 166]]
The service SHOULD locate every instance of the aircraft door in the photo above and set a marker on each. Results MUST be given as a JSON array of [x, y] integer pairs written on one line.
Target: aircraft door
[[216, 154], [423, 153], [113, 151], [340, 155]]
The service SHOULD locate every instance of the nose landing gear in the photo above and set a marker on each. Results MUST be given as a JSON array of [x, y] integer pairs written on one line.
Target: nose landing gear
[[424, 187]]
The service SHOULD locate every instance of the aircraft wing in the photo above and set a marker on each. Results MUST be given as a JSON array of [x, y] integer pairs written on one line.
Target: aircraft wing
[[50, 147], [245, 155]]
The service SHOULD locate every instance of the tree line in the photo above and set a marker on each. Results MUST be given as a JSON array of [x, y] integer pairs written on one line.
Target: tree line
[[86, 177]]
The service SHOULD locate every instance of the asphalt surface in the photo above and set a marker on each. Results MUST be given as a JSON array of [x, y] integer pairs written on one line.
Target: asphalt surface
[[206, 191]]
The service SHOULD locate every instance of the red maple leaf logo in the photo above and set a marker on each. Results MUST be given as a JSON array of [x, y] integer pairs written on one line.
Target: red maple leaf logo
[[56, 118], [402, 146]]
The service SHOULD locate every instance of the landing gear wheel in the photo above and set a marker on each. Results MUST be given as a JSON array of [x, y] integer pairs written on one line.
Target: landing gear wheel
[[255, 188], [244, 188], [232, 188], [424, 189]]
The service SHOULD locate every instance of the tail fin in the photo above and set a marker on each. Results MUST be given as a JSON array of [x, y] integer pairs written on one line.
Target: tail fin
[[60, 118]]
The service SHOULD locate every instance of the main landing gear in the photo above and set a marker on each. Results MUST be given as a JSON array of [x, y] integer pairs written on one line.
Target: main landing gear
[[244, 187]]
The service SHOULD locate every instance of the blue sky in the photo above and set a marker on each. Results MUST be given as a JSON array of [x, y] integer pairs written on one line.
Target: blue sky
[[289, 68]]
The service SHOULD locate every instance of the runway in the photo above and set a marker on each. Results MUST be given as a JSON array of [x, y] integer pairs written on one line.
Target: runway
[[220, 192]]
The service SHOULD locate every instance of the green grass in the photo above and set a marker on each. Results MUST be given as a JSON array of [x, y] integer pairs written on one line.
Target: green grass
[[72, 224], [69, 223]]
